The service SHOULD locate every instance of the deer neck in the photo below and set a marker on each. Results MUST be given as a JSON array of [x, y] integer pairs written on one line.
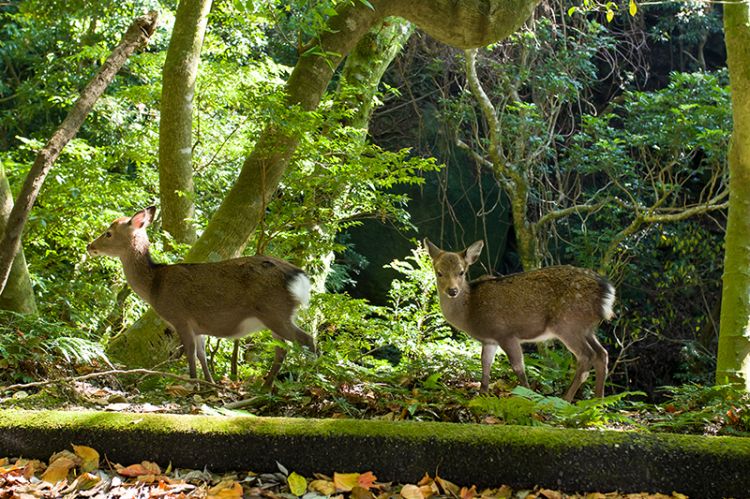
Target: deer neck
[[456, 310], [140, 271]]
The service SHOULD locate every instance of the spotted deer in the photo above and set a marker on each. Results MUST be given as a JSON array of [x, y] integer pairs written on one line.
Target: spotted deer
[[226, 299], [562, 302]]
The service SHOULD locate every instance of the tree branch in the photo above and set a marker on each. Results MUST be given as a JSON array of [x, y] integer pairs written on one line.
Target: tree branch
[[136, 36]]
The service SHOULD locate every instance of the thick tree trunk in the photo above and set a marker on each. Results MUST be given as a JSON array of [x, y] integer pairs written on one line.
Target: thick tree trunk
[[733, 362], [176, 122], [137, 35], [465, 24], [18, 294]]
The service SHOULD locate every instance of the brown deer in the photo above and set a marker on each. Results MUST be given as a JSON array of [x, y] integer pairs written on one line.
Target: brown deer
[[227, 299], [562, 302]]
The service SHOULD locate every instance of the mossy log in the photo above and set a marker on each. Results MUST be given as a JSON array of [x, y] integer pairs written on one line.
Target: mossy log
[[570, 460]]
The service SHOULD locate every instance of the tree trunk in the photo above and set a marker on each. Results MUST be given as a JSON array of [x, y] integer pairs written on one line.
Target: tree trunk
[[18, 295], [176, 122], [137, 35], [465, 24], [733, 362]]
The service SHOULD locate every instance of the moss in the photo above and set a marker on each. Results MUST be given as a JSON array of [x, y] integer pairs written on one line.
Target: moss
[[479, 454]]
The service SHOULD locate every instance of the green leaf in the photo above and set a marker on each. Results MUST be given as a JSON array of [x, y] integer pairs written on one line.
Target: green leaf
[[633, 8], [297, 484], [610, 15], [572, 10]]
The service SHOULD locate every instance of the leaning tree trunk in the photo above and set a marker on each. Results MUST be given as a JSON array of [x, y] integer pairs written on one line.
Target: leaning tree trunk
[[176, 121], [137, 35], [733, 362], [18, 294], [465, 24]]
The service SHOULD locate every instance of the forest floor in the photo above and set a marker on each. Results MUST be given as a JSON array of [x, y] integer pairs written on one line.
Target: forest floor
[[331, 390]]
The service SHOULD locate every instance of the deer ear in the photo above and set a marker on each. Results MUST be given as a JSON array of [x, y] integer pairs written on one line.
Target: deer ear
[[143, 218], [471, 254], [431, 248]]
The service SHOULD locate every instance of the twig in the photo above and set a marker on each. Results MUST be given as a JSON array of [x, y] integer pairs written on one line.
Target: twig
[[114, 372]]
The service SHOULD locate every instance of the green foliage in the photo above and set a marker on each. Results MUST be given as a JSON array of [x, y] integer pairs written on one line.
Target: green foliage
[[33, 348], [526, 407], [720, 409]]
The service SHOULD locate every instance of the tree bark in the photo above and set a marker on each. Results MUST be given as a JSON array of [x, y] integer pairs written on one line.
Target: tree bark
[[465, 24], [176, 122], [18, 294], [136, 36], [733, 361]]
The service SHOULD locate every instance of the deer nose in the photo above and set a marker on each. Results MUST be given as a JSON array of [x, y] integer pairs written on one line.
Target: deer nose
[[452, 292]]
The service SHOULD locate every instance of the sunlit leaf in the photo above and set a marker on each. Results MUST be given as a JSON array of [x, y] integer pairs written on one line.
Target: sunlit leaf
[[633, 8], [89, 457], [226, 489], [58, 470], [366, 480], [297, 484], [345, 482], [610, 15], [411, 492], [325, 487]]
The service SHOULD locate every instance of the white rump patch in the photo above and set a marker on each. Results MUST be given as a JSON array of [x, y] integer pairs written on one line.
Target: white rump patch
[[299, 286], [608, 301]]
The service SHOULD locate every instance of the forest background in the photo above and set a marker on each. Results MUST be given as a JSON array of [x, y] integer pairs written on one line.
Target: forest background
[[595, 135]]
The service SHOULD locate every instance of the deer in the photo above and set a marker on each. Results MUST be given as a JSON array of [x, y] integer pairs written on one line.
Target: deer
[[225, 299], [558, 302]]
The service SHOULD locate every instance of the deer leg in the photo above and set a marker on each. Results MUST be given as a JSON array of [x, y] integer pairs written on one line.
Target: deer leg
[[514, 351], [488, 356], [600, 363], [279, 355], [188, 344], [200, 349], [584, 358]]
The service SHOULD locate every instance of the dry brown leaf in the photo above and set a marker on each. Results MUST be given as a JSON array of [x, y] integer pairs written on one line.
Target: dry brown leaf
[[361, 493], [58, 470], [179, 390], [467, 493], [65, 454], [135, 470], [89, 457], [325, 487], [448, 487], [227, 489], [411, 492], [596, 495], [428, 490], [345, 482], [550, 494]]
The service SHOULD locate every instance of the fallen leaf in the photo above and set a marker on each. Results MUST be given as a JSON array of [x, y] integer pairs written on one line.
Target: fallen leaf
[[429, 490], [65, 454], [361, 493], [89, 457], [145, 468], [467, 493], [596, 495], [550, 494], [85, 481], [345, 482], [58, 470], [297, 484], [366, 480], [677, 495], [447, 486], [226, 489], [411, 492], [325, 487]]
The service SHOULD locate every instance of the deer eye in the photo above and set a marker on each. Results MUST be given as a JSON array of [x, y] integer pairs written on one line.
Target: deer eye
[[462, 272], [108, 234], [440, 274]]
